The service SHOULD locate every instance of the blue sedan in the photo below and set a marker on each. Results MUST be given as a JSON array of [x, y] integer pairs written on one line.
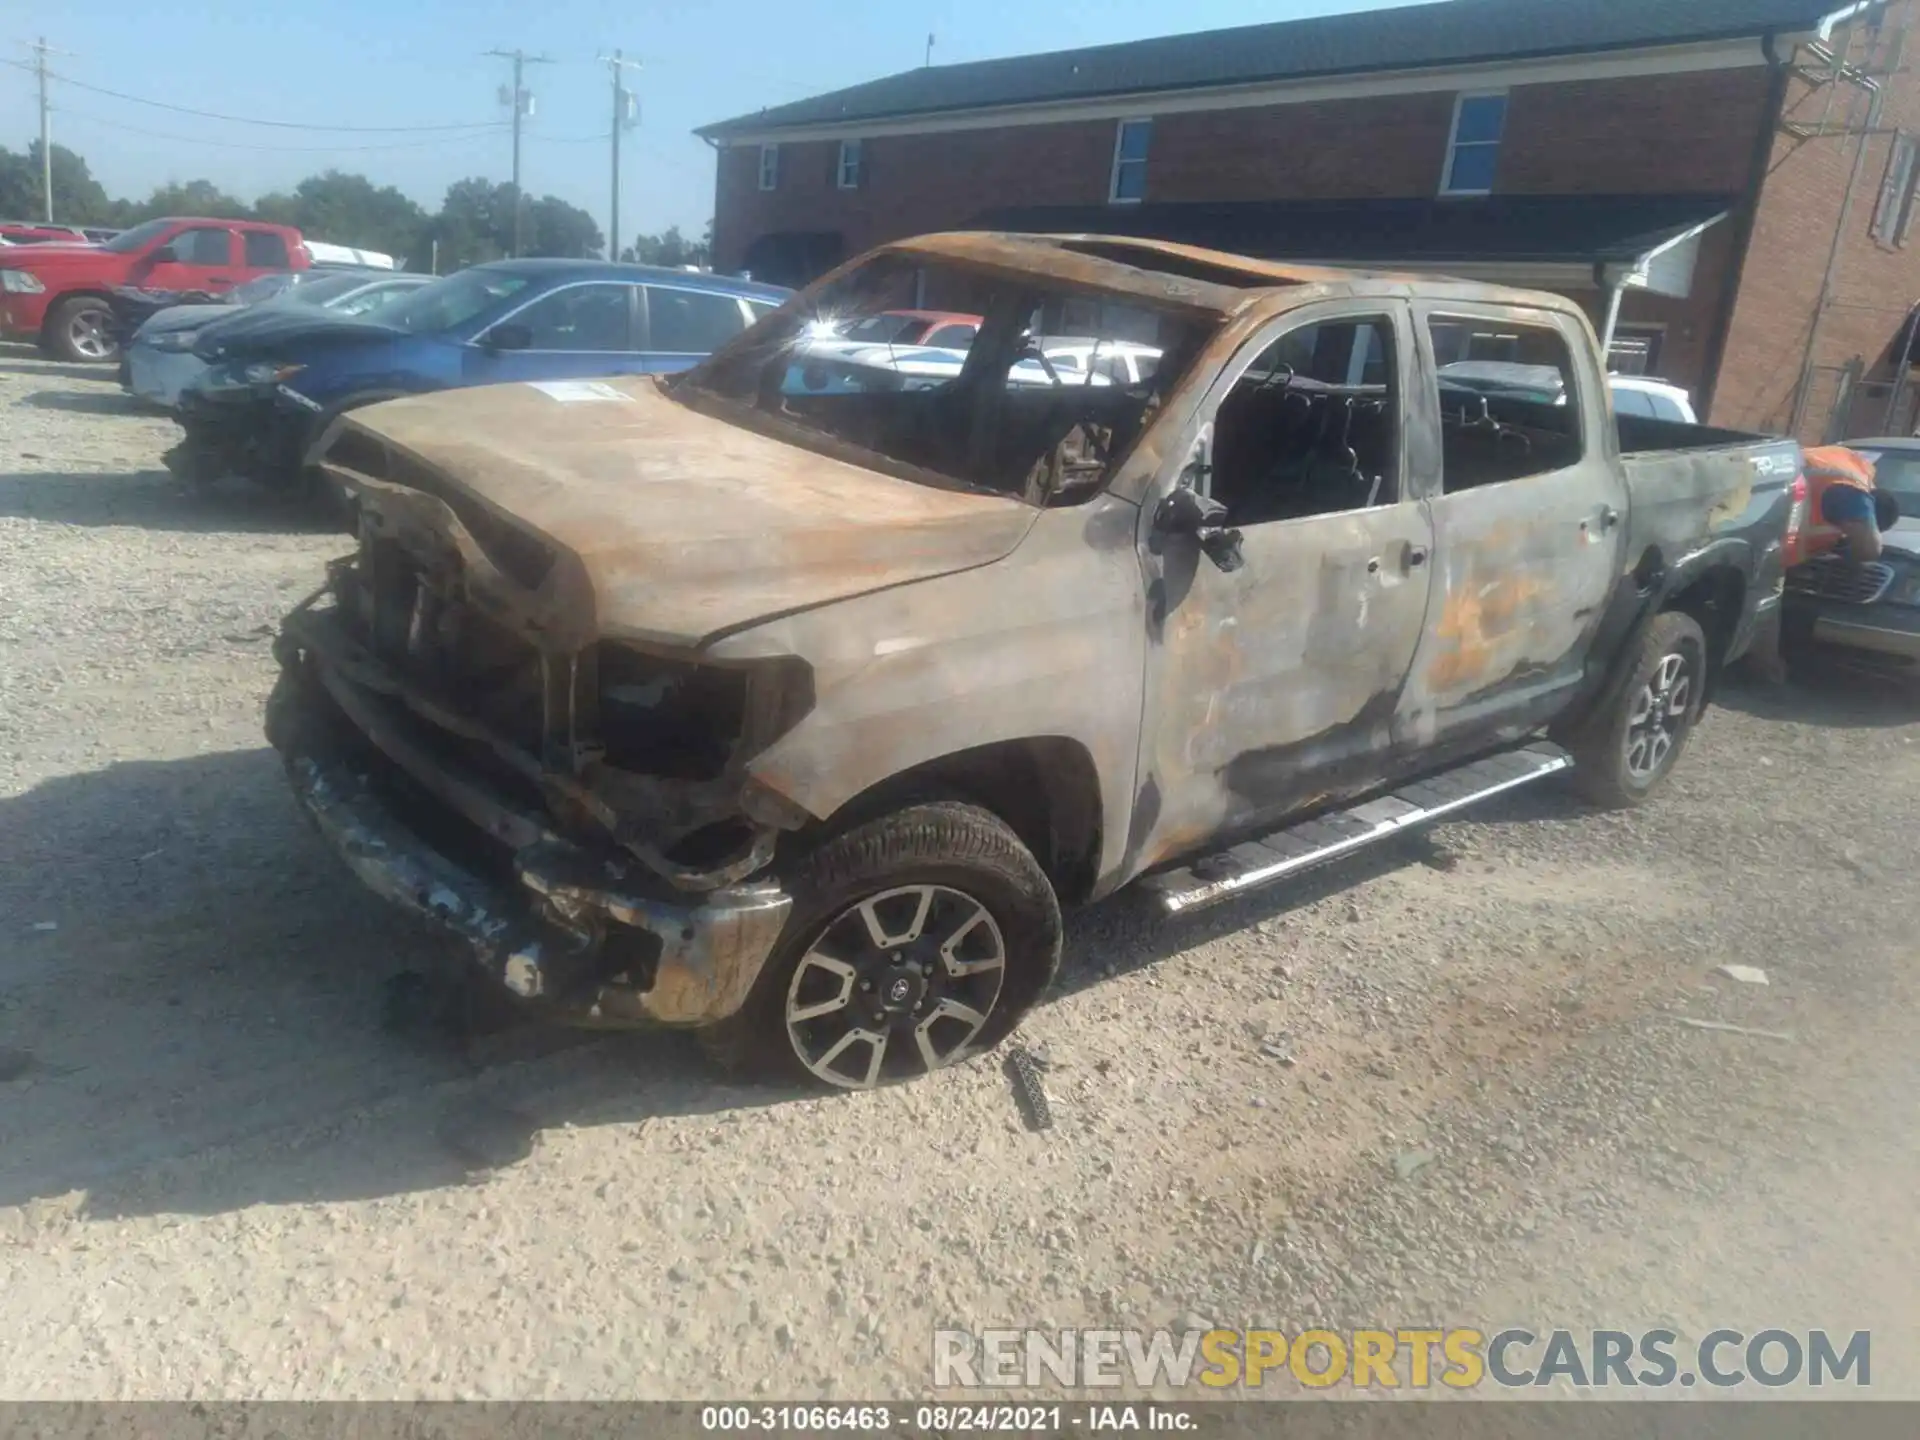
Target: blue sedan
[[268, 395]]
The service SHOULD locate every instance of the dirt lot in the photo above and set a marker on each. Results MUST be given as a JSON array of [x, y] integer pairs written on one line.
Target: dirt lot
[[221, 1177]]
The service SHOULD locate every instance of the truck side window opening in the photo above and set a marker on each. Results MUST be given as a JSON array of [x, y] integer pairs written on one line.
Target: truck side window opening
[[204, 247], [265, 250], [1509, 401], [1312, 427]]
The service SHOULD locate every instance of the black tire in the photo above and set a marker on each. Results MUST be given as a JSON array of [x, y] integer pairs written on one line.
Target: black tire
[[1619, 758], [64, 330], [959, 854]]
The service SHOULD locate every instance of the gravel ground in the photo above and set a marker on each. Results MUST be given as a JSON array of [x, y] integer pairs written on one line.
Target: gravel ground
[[221, 1177]]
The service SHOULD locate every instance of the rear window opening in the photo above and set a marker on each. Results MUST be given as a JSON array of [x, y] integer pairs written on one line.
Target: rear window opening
[[1183, 267], [1042, 403]]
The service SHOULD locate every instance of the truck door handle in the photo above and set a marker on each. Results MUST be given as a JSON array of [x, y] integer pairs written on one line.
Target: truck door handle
[[1416, 556], [1609, 517]]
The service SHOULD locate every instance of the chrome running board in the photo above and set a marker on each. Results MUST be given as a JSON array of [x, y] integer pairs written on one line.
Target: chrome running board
[[1254, 863]]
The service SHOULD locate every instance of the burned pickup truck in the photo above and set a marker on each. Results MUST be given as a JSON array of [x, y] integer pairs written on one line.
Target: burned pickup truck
[[794, 710]]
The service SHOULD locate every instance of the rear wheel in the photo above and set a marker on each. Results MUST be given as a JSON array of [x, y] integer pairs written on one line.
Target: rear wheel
[[917, 940], [81, 328], [1624, 754]]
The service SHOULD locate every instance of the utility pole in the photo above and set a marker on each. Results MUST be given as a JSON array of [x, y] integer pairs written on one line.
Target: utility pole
[[46, 128], [625, 112], [522, 104]]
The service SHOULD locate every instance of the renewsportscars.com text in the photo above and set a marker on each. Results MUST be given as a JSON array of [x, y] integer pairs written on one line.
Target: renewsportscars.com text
[[1417, 1359]]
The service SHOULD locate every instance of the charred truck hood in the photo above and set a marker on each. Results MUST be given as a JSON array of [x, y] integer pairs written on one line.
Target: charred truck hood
[[498, 709], [605, 510]]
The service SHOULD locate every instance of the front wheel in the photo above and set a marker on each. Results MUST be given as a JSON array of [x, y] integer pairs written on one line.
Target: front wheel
[[916, 940], [81, 328], [1622, 755]]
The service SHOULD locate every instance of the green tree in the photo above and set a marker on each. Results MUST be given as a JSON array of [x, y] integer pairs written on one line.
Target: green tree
[[670, 248], [78, 198], [556, 228], [475, 224], [348, 209], [200, 198]]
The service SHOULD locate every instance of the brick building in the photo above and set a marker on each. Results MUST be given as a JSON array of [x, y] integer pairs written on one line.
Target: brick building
[[1728, 186]]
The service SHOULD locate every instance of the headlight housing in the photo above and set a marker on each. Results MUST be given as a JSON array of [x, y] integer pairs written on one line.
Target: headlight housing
[[174, 341], [269, 372], [20, 282]]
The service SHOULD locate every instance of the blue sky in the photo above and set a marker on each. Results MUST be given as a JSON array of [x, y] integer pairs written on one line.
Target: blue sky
[[408, 63]]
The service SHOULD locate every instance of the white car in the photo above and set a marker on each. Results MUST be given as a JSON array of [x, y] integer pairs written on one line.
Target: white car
[[1651, 399], [1066, 361], [1632, 394]]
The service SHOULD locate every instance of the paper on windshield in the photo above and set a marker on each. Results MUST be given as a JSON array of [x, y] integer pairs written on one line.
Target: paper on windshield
[[580, 392]]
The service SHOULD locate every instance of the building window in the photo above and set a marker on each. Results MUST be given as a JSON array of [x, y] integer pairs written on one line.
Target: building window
[[1474, 152], [1636, 350], [849, 169], [769, 166], [1130, 144], [1893, 216]]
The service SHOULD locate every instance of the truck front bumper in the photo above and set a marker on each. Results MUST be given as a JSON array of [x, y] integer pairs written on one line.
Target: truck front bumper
[[160, 377], [578, 933], [245, 433], [1885, 632], [21, 316]]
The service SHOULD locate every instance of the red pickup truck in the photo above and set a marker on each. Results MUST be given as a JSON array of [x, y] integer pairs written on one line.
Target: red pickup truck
[[57, 295]]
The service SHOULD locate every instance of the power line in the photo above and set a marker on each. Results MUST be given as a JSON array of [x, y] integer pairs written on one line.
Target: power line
[[249, 120], [283, 149]]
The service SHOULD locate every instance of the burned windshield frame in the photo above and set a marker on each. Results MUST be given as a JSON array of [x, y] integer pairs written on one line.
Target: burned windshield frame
[[994, 418]]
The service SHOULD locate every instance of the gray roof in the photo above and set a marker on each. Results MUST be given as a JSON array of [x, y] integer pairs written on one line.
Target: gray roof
[[1408, 37]]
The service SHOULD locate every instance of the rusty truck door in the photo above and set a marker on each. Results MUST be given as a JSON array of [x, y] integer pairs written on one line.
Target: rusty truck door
[[1274, 684], [1528, 502]]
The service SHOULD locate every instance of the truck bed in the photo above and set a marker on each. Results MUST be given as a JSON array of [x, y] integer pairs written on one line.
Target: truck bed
[[1694, 488]]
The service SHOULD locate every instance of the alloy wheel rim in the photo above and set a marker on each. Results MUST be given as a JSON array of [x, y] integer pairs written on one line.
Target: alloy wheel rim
[[88, 332], [1659, 716], [896, 985]]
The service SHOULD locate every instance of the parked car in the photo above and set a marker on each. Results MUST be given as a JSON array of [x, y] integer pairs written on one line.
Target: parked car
[[98, 234], [58, 295], [29, 232], [796, 719], [940, 329], [1632, 394], [159, 362], [1653, 399], [133, 306], [1045, 362], [270, 389], [1868, 613], [322, 253]]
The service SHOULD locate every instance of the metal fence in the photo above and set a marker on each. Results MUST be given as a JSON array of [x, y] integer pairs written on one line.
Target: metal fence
[[1858, 407]]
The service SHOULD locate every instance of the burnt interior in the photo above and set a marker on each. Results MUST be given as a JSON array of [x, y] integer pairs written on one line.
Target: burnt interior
[[1022, 410], [1312, 427], [669, 718]]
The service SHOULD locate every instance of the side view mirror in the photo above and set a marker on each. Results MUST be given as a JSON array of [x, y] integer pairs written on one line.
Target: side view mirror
[[1187, 512], [165, 255], [509, 337]]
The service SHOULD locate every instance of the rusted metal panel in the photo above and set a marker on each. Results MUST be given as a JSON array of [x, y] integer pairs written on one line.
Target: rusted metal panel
[[1048, 642], [681, 526], [709, 953], [1524, 567]]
